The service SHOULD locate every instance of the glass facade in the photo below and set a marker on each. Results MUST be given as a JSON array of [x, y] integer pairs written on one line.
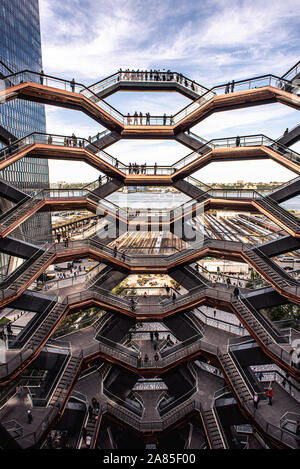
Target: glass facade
[[20, 49]]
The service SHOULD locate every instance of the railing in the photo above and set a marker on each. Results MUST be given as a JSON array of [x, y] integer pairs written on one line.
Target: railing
[[127, 404], [30, 439], [196, 137], [249, 283], [30, 346], [282, 186], [209, 368], [130, 357], [27, 263], [272, 346], [136, 251], [44, 401], [265, 374], [100, 323], [242, 85], [28, 76], [292, 72], [164, 260], [74, 327], [79, 396], [75, 280], [269, 327], [140, 291], [98, 293], [221, 324], [159, 425], [96, 184], [26, 203], [27, 332], [11, 284], [288, 131], [198, 184], [289, 422], [104, 206], [144, 169], [234, 142], [99, 135], [285, 277], [271, 430], [62, 141], [13, 428], [163, 410], [222, 392], [165, 305], [280, 213], [147, 76]]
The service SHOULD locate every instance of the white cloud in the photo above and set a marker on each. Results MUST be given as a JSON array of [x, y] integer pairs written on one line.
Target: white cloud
[[248, 37], [239, 121], [212, 41]]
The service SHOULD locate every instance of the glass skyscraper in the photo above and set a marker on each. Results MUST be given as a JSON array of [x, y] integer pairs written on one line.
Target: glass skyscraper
[[20, 49]]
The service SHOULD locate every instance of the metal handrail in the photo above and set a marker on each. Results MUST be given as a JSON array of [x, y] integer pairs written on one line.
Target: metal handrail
[[279, 82], [268, 80], [294, 67], [140, 75]]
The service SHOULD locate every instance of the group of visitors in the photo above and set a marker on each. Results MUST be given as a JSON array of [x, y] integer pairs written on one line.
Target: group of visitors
[[229, 88], [74, 272], [154, 337], [140, 119], [65, 240], [73, 141], [168, 292], [269, 393], [134, 168], [72, 82], [156, 75], [146, 358]]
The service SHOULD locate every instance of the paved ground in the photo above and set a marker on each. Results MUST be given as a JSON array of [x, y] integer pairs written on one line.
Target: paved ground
[[282, 403], [208, 384], [16, 410]]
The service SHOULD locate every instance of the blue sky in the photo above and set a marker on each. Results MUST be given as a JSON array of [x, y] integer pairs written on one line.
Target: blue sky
[[210, 41]]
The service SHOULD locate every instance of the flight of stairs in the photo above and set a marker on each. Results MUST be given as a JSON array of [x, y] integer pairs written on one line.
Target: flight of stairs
[[28, 274], [252, 322], [235, 378], [213, 431], [17, 213], [279, 213], [286, 191], [45, 328], [189, 189], [274, 272], [105, 141], [65, 382], [108, 188]]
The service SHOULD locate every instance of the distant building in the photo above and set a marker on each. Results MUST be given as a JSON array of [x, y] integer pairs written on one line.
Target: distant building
[[20, 49]]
